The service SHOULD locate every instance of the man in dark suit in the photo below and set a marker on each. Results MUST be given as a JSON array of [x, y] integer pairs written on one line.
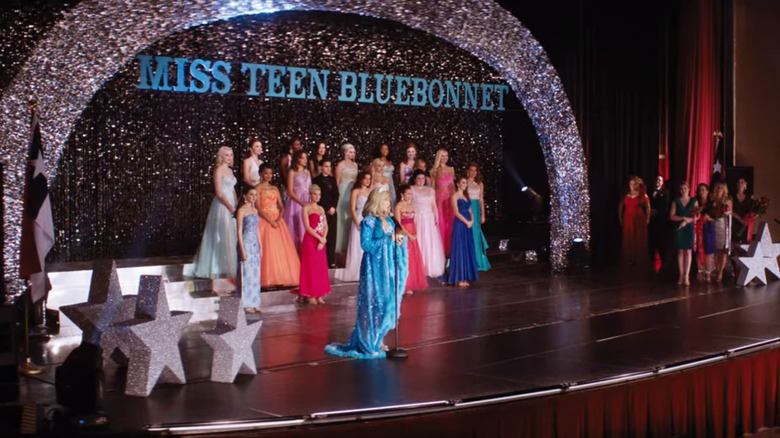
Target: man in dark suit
[[658, 231], [329, 201]]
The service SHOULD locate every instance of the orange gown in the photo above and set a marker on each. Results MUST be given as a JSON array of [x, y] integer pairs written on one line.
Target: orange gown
[[279, 263]]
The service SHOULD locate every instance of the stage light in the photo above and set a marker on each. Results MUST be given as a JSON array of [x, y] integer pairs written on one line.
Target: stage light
[[524, 188], [578, 256]]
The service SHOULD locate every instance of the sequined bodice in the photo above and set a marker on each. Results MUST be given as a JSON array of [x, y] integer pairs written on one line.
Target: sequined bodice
[[444, 182], [407, 217], [301, 183], [360, 202], [387, 171], [227, 188], [317, 222], [348, 174], [269, 198], [473, 190], [422, 197]]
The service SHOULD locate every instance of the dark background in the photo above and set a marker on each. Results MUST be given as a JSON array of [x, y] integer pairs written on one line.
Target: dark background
[[618, 62]]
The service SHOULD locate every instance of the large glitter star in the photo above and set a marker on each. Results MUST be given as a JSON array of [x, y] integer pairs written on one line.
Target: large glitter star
[[761, 256], [105, 304], [150, 341], [231, 341]]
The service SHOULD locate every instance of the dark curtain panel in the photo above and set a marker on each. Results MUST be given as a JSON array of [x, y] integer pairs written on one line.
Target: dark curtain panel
[[615, 60]]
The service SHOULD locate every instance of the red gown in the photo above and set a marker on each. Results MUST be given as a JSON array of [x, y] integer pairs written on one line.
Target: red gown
[[635, 231], [417, 273], [314, 281]]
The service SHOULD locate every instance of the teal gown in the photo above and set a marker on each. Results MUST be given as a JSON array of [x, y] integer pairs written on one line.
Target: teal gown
[[376, 313]]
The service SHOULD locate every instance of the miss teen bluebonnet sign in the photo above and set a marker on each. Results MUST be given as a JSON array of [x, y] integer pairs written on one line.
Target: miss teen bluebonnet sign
[[207, 76]]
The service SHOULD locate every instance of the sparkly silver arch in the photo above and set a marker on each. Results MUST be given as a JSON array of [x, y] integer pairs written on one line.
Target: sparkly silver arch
[[96, 38]]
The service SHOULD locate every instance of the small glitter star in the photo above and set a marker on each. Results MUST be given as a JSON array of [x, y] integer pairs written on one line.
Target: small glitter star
[[231, 341]]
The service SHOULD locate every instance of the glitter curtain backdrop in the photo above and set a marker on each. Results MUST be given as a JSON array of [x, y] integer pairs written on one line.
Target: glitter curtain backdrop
[[130, 144], [81, 52]]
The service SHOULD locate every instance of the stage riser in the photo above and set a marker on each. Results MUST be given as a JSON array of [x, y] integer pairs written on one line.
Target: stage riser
[[197, 295]]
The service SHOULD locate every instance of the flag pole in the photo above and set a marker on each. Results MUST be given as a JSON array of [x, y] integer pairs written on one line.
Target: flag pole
[[27, 367]]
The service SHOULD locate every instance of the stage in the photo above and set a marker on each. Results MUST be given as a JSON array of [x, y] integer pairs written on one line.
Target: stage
[[518, 334]]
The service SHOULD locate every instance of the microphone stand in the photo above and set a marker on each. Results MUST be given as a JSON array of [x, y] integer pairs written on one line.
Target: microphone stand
[[396, 353]]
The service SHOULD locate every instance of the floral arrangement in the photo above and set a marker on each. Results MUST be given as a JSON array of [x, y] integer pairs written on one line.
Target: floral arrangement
[[717, 211], [756, 207]]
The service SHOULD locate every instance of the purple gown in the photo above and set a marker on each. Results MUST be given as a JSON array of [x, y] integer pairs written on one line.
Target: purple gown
[[293, 210]]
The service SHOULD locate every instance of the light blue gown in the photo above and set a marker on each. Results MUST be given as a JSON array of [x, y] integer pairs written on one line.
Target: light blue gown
[[376, 312], [216, 256], [250, 268]]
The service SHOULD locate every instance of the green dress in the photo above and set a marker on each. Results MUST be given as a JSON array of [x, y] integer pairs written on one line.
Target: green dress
[[683, 238]]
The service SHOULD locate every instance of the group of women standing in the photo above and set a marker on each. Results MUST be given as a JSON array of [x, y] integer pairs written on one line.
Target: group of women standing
[[291, 237], [700, 225]]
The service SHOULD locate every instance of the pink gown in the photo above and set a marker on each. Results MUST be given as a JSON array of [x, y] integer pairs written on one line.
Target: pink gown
[[444, 190], [314, 280], [417, 278]]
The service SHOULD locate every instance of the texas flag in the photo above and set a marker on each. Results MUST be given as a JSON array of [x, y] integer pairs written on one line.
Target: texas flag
[[719, 166], [37, 223]]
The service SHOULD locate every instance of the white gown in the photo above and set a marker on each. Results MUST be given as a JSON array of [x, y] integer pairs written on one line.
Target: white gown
[[428, 235], [351, 271]]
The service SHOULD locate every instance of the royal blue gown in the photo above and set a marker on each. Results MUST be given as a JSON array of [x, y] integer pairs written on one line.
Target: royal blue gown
[[463, 258], [376, 313]]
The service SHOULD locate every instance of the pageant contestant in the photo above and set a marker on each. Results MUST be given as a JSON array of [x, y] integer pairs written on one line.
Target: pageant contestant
[[358, 199], [250, 168], [427, 217], [385, 254], [280, 265], [406, 168], [405, 214], [249, 253], [442, 176], [420, 164], [683, 211], [346, 172], [476, 193], [216, 256], [298, 182], [315, 282], [287, 160], [315, 159], [718, 210], [705, 234], [463, 259], [378, 176], [634, 215], [741, 203], [382, 154], [329, 202]]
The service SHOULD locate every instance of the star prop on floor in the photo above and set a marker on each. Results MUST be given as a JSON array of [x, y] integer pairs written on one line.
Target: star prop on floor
[[105, 304], [761, 256], [150, 341], [231, 341]]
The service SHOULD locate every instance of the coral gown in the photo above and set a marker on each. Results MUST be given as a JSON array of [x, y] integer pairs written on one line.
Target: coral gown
[[444, 190], [635, 231], [376, 308], [428, 237], [315, 281], [280, 265], [417, 274]]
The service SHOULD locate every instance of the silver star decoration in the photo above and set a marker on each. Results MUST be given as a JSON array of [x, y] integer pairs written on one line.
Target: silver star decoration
[[105, 304], [231, 341], [150, 341], [761, 256], [716, 167]]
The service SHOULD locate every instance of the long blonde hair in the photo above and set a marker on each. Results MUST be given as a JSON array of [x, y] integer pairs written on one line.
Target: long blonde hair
[[725, 196], [219, 154], [437, 161], [374, 203]]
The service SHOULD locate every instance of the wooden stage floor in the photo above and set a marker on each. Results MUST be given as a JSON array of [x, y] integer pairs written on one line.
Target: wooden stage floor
[[515, 330]]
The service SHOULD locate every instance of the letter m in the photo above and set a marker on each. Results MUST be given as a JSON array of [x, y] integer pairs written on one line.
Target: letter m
[[151, 79]]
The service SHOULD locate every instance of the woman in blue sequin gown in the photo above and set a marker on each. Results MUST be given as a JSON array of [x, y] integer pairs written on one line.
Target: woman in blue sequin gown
[[249, 253], [383, 256], [463, 258]]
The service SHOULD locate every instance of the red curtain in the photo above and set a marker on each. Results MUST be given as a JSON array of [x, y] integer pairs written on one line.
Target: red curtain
[[700, 85]]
